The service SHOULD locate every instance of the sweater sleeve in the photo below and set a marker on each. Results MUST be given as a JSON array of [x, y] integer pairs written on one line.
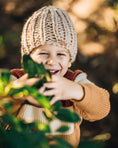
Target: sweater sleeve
[[95, 104]]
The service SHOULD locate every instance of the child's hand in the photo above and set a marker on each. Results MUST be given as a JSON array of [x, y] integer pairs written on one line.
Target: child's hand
[[25, 81], [62, 89]]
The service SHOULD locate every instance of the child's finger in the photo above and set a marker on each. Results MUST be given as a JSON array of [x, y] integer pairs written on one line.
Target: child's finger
[[49, 92], [54, 100], [25, 81], [31, 82], [41, 90], [24, 77], [32, 100], [50, 85]]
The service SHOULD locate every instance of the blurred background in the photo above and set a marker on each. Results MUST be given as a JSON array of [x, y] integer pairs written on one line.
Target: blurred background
[[96, 23]]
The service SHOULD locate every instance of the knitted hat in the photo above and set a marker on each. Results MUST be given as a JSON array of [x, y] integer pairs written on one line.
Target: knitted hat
[[49, 25]]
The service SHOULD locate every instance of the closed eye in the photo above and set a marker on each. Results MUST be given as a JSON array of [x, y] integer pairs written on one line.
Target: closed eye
[[43, 53], [61, 54]]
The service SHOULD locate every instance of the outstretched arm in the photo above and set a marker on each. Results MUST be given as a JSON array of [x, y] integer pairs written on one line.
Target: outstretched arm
[[90, 101], [95, 104], [62, 89]]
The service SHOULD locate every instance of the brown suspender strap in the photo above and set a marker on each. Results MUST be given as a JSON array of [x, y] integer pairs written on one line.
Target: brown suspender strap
[[69, 75], [72, 75], [17, 72]]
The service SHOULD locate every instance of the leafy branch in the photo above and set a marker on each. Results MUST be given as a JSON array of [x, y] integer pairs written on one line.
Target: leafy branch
[[19, 133]]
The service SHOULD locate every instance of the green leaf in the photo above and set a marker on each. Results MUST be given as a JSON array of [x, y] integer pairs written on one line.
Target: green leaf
[[48, 118], [12, 121], [31, 68], [5, 76], [43, 127], [63, 129], [8, 106], [38, 140], [13, 92], [4, 79], [40, 83], [43, 100], [34, 69], [25, 92], [62, 143], [56, 106], [67, 115], [40, 69], [31, 90], [25, 62], [14, 139], [48, 75], [1, 87]]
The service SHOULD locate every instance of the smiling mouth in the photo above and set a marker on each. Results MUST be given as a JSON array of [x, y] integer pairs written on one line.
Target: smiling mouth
[[53, 72]]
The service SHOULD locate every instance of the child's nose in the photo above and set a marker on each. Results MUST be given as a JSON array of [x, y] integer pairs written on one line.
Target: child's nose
[[51, 60]]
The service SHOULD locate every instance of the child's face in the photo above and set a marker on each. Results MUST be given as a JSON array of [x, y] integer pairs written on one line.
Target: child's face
[[55, 59]]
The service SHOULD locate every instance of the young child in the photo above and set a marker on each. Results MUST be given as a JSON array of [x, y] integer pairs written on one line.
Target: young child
[[49, 37]]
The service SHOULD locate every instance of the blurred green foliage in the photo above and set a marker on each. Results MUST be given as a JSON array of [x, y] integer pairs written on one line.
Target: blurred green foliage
[[91, 144], [18, 133]]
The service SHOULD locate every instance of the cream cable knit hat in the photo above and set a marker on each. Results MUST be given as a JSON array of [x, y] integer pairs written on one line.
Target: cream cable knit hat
[[49, 25]]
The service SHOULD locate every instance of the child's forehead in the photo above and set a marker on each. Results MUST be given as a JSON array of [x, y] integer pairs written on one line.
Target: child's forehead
[[51, 48]]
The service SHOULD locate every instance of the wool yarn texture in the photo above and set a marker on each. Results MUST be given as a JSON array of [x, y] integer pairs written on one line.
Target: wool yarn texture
[[49, 25]]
